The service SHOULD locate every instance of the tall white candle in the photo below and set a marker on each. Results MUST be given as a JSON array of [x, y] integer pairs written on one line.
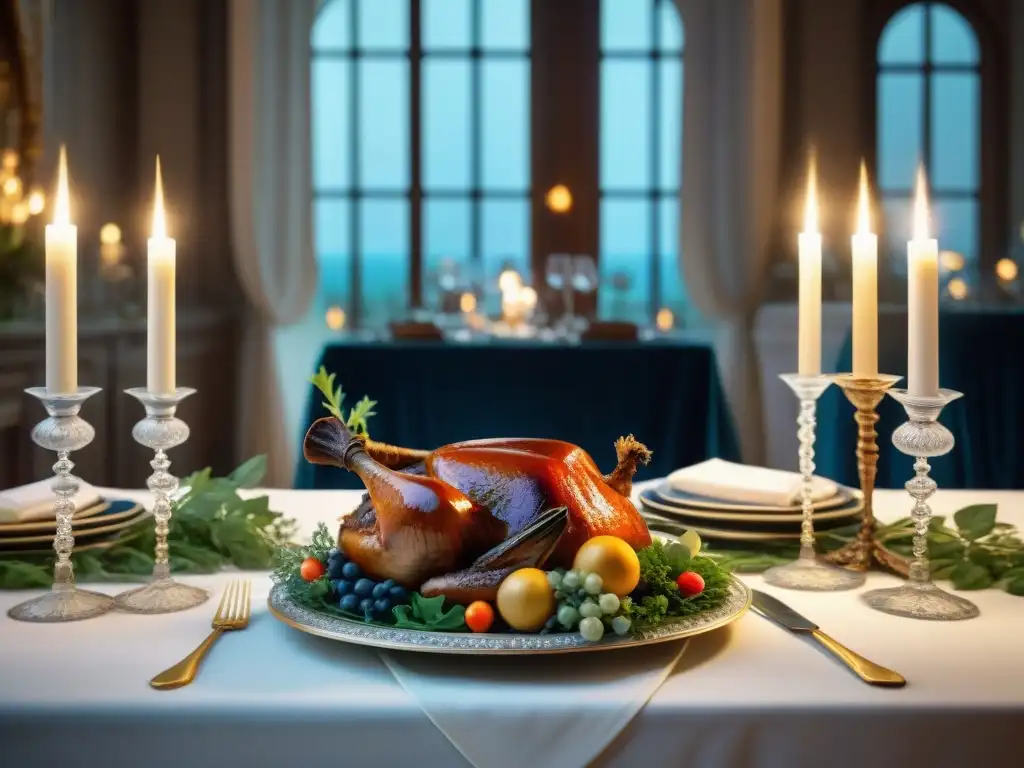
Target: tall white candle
[[62, 291], [922, 301], [161, 322], [865, 288], [809, 249]]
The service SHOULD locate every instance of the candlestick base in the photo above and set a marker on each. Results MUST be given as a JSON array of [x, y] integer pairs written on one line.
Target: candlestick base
[[807, 572], [813, 575], [161, 431], [67, 605], [922, 437], [865, 393], [162, 595]]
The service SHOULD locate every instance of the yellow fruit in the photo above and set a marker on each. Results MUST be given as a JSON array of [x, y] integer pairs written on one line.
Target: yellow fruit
[[526, 600], [613, 560]]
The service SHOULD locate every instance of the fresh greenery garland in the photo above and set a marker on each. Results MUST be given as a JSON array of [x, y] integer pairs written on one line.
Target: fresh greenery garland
[[976, 552], [212, 526]]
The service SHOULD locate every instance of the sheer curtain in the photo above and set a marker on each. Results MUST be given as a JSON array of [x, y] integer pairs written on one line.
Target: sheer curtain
[[271, 205], [731, 146]]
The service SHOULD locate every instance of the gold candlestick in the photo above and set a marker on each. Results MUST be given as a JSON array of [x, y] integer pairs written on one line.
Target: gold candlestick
[[865, 394]]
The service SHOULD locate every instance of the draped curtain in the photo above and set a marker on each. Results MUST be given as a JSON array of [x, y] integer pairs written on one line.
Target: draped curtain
[[731, 145], [271, 205]]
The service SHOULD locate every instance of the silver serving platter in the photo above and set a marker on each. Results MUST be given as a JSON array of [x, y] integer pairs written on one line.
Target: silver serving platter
[[390, 638]]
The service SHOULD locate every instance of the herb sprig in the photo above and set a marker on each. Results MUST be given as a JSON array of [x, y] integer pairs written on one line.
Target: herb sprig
[[358, 415], [212, 527]]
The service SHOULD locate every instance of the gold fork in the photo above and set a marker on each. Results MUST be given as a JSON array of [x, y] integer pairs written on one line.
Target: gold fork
[[232, 613]]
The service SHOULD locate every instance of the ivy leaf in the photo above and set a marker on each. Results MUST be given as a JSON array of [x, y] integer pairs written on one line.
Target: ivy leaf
[[428, 613], [942, 568], [249, 474], [968, 575], [976, 520], [941, 545], [1016, 586]]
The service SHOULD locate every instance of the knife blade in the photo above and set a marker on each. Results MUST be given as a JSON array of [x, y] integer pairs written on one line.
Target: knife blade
[[781, 614]]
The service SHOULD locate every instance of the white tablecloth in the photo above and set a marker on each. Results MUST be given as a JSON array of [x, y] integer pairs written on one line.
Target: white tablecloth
[[748, 695]]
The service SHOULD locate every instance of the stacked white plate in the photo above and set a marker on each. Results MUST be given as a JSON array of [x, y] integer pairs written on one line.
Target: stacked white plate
[[96, 526], [731, 502]]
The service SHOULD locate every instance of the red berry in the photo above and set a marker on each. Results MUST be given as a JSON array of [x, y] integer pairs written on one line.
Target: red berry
[[311, 569], [690, 583]]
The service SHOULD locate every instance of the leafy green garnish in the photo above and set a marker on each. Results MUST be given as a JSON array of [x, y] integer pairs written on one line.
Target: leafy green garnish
[[211, 527], [657, 597], [427, 613], [359, 414], [979, 552]]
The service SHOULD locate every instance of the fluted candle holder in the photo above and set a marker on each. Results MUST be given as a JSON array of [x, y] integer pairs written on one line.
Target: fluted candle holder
[[865, 394], [161, 431], [63, 431], [922, 437], [807, 571]]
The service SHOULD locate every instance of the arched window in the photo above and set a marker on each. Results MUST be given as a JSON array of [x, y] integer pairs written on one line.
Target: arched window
[[421, 146], [640, 139], [929, 95]]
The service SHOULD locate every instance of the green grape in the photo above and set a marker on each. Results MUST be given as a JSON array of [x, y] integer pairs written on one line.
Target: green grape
[[592, 584], [568, 616], [609, 603], [554, 579], [620, 624], [592, 629], [571, 580], [590, 609]]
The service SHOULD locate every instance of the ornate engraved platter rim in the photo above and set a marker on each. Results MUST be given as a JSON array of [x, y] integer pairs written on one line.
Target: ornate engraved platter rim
[[391, 638]]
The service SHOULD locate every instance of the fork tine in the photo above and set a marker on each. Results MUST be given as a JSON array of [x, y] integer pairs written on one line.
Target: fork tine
[[236, 603], [225, 602], [247, 601]]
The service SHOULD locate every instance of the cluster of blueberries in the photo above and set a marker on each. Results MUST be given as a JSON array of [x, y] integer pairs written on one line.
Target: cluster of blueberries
[[358, 594]]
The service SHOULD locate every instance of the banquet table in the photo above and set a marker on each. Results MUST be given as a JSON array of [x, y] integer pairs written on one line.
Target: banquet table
[[750, 694], [429, 393]]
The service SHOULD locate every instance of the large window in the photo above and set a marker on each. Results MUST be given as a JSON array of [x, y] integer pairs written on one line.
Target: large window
[[929, 109], [641, 136], [439, 127]]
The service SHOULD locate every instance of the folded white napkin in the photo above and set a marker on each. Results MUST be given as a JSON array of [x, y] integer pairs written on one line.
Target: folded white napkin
[[543, 720], [35, 501], [742, 483]]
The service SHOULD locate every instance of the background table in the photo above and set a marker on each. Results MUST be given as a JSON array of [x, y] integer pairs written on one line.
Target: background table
[[751, 695], [667, 394], [980, 356]]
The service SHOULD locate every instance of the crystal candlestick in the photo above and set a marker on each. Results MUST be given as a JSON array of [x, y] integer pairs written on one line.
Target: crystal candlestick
[[865, 393], [923, 438], [161, 431], [63, 431], [807, 572]]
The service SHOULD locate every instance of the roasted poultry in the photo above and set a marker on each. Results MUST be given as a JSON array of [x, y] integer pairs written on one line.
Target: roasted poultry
[[457, 520]]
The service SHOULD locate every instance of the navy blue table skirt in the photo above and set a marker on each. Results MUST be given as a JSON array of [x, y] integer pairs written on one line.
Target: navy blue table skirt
[[980, 355], [430, 393]]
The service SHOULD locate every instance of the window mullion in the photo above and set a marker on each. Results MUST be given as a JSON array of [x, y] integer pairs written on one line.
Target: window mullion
[[355, 185], [415, 155], [476, 121]]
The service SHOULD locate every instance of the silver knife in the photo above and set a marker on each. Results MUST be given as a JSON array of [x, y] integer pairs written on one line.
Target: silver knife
[[782, 614]]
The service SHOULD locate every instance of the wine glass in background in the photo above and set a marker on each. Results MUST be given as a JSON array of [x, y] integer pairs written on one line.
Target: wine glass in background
[[584, 278], [556, 276]]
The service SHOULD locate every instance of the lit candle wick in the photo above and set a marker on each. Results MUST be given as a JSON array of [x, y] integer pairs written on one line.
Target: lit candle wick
[[62, 205], [864, 205], [159, 221], [921, 206], [811, 202]]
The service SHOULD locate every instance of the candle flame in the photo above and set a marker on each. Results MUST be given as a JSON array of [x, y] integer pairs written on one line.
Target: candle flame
[[921, 206], [864, 203], [62, 205], [811, 202], [159, 221]]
